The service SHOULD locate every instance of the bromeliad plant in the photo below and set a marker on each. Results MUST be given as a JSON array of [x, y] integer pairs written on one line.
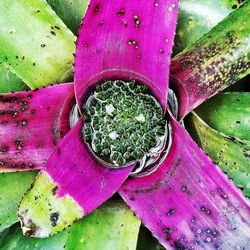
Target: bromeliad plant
[[127, 138]]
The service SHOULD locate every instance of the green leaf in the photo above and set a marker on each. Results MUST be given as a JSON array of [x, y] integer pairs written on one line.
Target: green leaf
[[12, 188], [34, 43], [228, 113], [70, 11], [197, 17], [146, 241], [13, 239], [9, 82], [113, 226], [230, 153]]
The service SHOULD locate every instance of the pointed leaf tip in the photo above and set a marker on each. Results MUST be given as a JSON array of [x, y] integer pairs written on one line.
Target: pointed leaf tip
[[42, 213], [71, 185]]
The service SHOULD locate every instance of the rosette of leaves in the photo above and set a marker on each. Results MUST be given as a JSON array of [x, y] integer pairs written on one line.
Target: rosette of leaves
[[168, 232]]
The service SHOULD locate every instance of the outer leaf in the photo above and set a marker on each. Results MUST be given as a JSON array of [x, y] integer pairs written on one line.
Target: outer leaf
[[113, 226], [10, 82], [188, 203], [70, 11], [230, 153], [228, 113], [196, 17], [12, 188], [71, 185], [125, 41], [13, 239], [214, 62], [31, 123], [147, 241], [44, 54]]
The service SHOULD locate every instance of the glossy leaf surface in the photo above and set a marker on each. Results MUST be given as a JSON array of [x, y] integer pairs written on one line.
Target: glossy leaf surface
[[188, 202], [230, 153], [70, 11], [197, 17], [214, 62], [12, 188], [34, 43], [228, 113], [10, 82], [31, 124]]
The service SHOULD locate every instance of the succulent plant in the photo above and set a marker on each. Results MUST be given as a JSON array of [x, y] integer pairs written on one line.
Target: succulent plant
[[126, 135]]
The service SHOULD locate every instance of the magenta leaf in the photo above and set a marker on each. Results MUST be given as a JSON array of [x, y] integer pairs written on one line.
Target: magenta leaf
[[214, 62], [31, 124], [188, 203], [80, 169], [126, 40], [118, 40], [72, 185]]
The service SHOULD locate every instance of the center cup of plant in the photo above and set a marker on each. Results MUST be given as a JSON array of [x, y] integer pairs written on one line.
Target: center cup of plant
[[122, 122]]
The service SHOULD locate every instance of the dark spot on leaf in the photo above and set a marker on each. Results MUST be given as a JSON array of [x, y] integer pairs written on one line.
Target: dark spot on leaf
[[24, 123], [121, 12], [19, 144], [4, 149], [136, 21], [167, 230], [54, 218], [32, 229], [132, 198], [97, 8], [125, 23], [54, 189], [171, 211], [13, 165], [31, 165], [179, 246]]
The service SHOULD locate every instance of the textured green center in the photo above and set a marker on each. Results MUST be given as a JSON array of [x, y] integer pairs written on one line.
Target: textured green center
[[122, 122]]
